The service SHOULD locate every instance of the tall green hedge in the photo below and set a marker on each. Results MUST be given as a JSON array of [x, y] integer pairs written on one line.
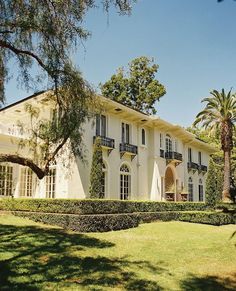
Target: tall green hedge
[[96, 173], [214, 184]]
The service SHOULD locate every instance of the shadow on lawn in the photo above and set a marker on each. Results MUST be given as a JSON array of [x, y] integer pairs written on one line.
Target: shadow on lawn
[[209, 283], [34, 258]]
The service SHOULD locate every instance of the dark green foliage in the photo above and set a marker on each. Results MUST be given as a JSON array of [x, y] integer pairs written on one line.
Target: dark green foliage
[[214, 184], [213, 218], [136, 88], [96, 172], [89, 206], [85, 223]]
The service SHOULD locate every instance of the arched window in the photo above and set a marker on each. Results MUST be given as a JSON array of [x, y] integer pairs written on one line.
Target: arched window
[[125, 182], [168, 143], [190, 189], [143, 136], [200, 190], [104, 179]]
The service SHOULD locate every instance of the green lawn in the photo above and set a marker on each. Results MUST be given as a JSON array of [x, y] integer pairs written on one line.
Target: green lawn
[[155, 256]]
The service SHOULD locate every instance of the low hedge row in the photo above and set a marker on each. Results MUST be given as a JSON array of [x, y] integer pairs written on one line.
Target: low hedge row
[[108, 222], [213, 218], [89, 206], [226, 207], [84, 223]]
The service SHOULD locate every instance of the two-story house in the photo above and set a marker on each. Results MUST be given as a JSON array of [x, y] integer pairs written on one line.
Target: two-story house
[[144, 157]]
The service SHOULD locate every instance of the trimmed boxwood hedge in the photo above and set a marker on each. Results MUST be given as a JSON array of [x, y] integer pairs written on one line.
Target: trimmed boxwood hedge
[[213, 218], [93, 206], [84, 223], [226, 207]]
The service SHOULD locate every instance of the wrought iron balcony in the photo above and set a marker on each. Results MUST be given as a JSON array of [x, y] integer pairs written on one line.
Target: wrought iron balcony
[[126, 148], [174, 156], [193, 166], [106, 142], [162, 153], [202, 168]]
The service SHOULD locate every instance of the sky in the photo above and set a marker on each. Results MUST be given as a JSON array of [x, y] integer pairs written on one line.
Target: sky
[[192, 41]]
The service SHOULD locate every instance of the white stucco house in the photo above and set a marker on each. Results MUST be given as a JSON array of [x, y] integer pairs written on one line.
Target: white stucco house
[[145, 157]]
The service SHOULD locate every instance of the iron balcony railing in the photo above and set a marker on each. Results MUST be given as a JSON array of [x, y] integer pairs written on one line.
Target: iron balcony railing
[[202, 168], [128, 148], [193, 166], [173, 156], [105, 141], [162, 153]]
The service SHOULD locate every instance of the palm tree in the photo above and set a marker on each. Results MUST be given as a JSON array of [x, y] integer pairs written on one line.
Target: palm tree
[[219, 115]]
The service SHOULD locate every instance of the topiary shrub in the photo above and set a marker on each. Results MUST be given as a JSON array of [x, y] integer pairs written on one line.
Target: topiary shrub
[[96, 173], [214, 184]]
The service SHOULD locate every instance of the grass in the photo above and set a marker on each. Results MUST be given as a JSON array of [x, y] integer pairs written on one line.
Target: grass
[[155, 256]]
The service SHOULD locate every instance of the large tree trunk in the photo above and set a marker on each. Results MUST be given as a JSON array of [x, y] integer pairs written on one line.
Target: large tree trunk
[[227, 173], [24, 162]]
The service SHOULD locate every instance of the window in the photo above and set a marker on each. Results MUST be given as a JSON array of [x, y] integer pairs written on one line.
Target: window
[[200, 190], [26, 182], [104, 179], [125, 182], [6, 180], [143, 136], [125, 132], [189, 155], [101, 125], [168, 144], [199, 158], [190, 189], [51, 183], [161, 141]]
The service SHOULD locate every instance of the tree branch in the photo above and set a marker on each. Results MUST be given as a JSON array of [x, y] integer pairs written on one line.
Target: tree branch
[[17, 51], [24, 162]]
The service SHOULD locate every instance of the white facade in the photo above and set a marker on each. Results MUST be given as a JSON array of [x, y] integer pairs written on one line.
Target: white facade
[[145, 158]]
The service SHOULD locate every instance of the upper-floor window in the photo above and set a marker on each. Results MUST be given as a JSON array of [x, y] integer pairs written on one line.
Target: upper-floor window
[[125, 132], [161, 141], [189, 155], [6, 180], [143, 137], [101, 125], [168, 143], [199, 158]]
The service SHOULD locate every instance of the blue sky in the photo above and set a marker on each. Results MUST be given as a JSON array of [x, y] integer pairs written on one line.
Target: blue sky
[[193, 42]]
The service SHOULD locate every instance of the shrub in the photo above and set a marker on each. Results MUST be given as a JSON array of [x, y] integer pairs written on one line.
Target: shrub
[[213, 218], [96, 173], [84, 223], [89, 206], [214, 184]]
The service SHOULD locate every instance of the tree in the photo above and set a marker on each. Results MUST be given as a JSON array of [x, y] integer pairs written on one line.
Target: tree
[[136, 87], [41, 35], [219, 115], [96, 173], [213, 184]]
